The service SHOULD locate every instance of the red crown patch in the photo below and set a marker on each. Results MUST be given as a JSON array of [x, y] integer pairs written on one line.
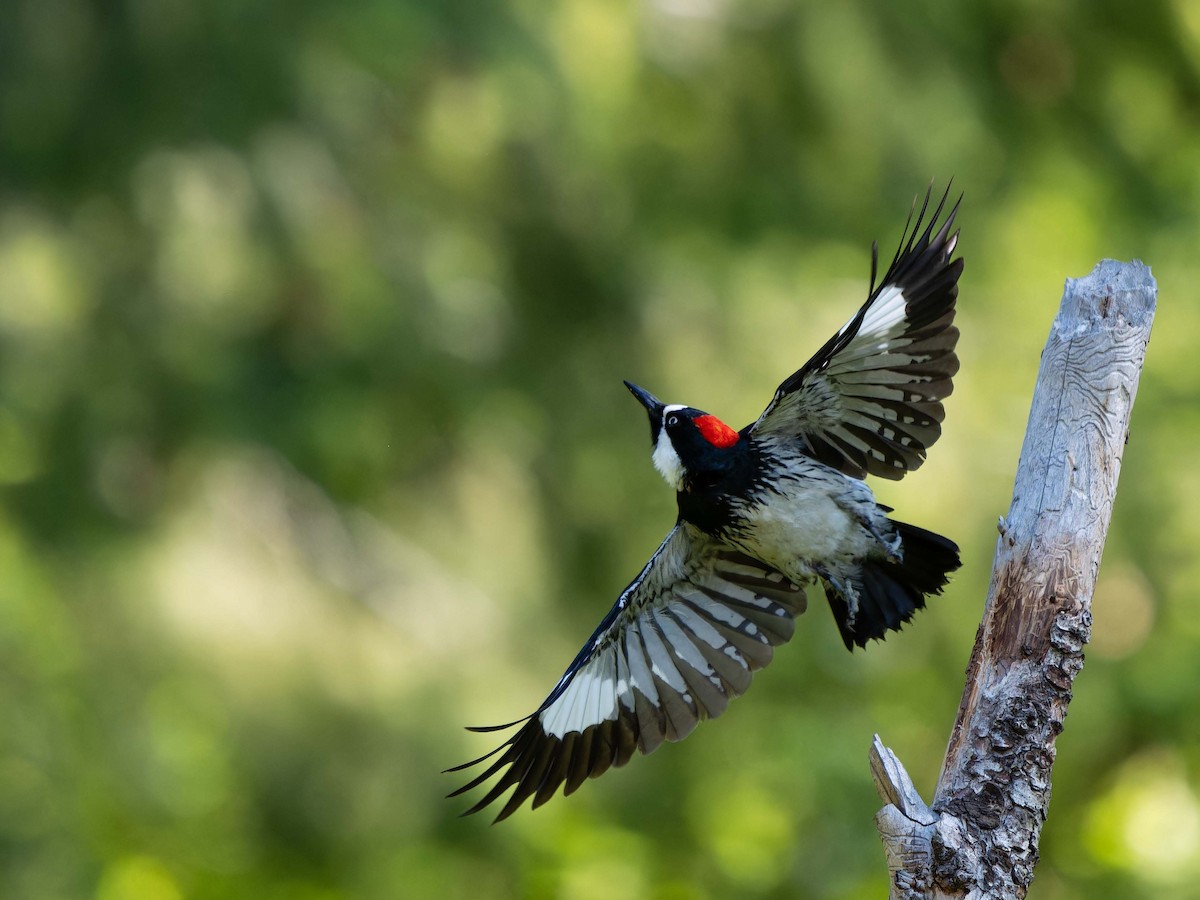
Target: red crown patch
[[716, 432]]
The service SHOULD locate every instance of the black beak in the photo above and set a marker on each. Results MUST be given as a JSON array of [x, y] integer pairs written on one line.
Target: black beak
[[648, 400], [654, 408]]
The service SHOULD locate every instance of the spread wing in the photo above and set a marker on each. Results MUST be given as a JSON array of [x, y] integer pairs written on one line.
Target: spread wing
[[681, 641], [869, 402]]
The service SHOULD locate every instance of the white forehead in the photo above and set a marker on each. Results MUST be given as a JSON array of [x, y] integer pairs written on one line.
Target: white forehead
[[672, 407]]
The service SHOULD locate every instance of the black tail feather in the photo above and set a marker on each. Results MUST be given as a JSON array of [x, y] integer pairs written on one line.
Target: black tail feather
[[890, 592]]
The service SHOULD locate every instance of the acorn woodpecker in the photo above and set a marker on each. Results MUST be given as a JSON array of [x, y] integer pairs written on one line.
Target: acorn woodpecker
[[763, 513]]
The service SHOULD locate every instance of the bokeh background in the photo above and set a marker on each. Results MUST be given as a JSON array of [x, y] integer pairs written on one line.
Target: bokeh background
[[314, 448]]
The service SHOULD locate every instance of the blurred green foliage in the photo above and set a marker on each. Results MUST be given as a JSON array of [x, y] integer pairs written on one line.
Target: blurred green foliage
[[313, 444]]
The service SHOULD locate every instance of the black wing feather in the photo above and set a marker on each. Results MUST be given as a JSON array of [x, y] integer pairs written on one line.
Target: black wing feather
[[869, 401], [682, 640]]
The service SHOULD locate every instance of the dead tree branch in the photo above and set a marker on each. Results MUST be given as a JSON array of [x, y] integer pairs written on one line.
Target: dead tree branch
[[980, 838]]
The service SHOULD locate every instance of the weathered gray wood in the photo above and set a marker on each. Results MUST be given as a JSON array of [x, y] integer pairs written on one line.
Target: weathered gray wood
[[980, 840]]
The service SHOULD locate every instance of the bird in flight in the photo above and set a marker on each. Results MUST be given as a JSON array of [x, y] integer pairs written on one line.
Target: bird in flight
[[763, 513]]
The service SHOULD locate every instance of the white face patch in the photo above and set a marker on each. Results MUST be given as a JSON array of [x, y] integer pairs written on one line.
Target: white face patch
[[666, 460]]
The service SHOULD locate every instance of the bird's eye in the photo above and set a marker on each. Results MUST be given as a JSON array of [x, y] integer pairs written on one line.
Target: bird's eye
[[673, 420]]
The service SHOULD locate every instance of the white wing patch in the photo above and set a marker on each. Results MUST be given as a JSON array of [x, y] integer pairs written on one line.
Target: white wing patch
[[885, 313], [592, 699]]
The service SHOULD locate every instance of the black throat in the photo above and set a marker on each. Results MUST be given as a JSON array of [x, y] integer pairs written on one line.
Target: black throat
[[716, 480]]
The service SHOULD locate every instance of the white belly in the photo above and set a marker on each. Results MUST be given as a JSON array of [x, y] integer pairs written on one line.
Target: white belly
[[817, 522]]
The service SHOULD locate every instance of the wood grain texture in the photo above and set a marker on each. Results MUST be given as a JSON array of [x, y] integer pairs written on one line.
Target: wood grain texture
[[993, 793]]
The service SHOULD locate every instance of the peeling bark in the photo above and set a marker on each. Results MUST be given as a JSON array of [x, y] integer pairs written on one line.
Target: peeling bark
[[980, 837]]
